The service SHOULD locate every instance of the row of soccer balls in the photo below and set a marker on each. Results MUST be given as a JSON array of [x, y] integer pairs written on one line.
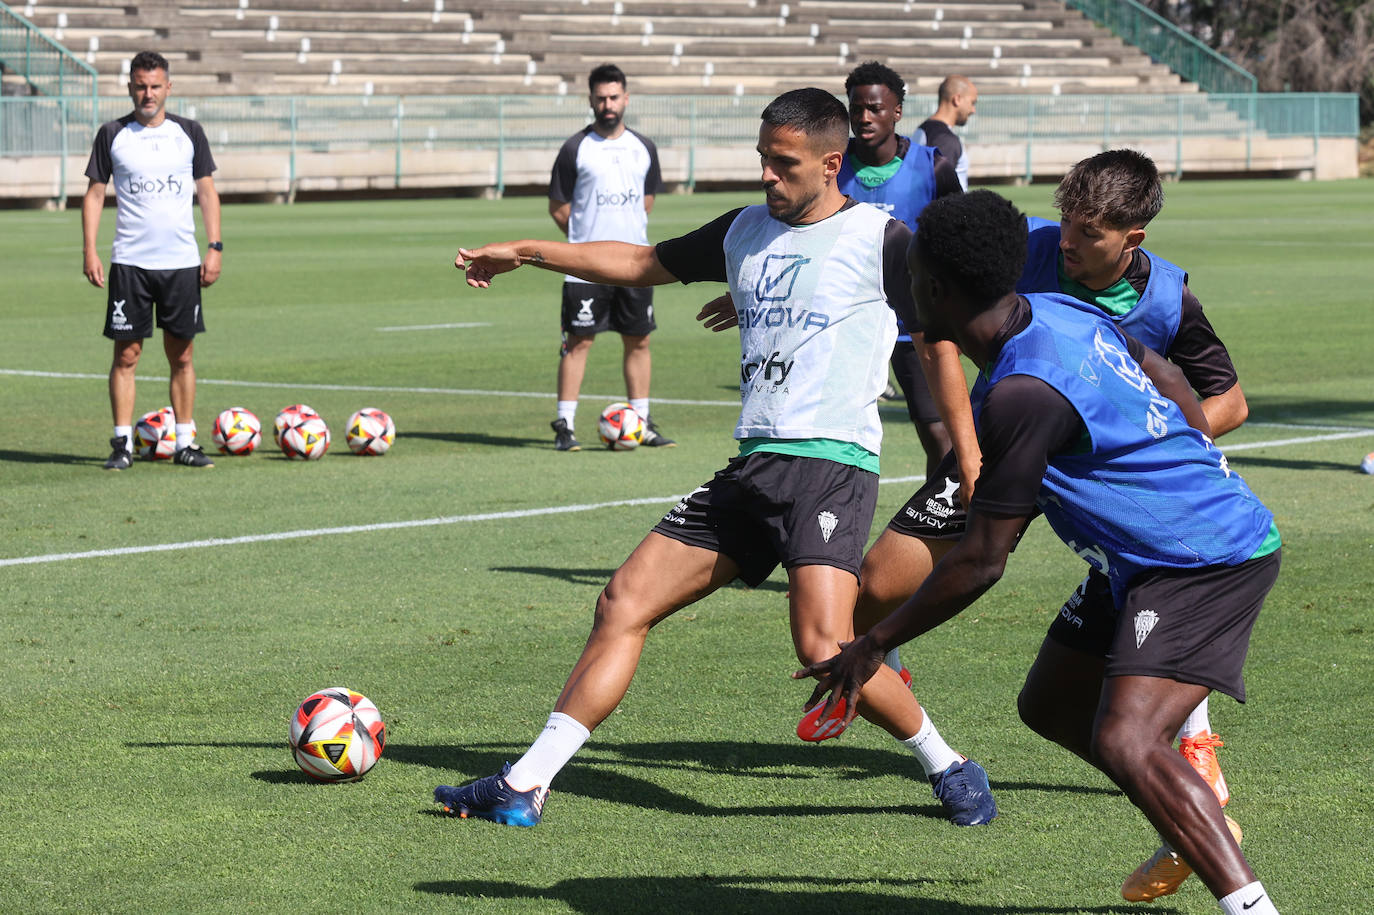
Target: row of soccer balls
[[299, 432]]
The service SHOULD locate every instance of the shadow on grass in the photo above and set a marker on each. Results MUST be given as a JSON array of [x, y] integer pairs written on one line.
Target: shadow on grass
[[478, 438], [720, 893], [598, 772], [1245, 459], [601, 576], [47, 457]]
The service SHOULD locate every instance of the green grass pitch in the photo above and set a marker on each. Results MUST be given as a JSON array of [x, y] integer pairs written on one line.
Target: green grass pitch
[[143, 765]]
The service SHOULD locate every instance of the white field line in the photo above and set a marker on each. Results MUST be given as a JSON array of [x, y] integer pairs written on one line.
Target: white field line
[[354, 529], [438, 326], [365, 388]]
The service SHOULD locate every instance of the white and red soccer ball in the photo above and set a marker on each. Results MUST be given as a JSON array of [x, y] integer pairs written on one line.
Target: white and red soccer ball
[[290, 416], [370, 431], [306, 440], [237, 431], [621, 427], [155, 435], [337, 735]]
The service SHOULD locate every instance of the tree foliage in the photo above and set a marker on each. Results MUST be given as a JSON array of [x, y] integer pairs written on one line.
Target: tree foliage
[[1297, 45]]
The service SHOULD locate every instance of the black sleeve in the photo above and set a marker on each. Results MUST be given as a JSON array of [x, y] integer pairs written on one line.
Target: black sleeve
[[897, 275], [653, 178], [202, 162], [564, 178], [101, 165], [946, 178], [1024, 423], [1199, 352], [942, 138], [698, 256]]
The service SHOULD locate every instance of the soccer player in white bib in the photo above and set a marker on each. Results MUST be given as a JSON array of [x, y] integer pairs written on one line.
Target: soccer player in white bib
[[816, 277], [603, 186], [159, 163]]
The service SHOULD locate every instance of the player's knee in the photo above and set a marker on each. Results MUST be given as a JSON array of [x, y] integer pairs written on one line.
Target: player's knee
[[1117, 748], [1035, 713], [126, 354]]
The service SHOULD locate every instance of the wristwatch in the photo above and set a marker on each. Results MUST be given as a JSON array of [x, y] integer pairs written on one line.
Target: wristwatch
[[216, 246]]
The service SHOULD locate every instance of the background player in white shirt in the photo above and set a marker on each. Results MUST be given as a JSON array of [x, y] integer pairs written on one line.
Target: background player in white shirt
[[159, 162], [602, 189]]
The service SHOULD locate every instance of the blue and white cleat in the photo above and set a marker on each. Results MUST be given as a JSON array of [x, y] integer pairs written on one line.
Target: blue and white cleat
[[492, 798], [963, 791]]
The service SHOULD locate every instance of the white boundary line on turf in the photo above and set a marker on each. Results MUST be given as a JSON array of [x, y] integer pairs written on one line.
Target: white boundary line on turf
[[354, 529], [365, 388], [438, 326], [477, 392]]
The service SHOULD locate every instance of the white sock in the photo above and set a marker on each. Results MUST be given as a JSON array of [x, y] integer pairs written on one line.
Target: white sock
[[567, 411], [930, 749], [186, 435], [894, 660], [1197, 721], [1250, 899], [561, 738], [127, 434], [641, 405]]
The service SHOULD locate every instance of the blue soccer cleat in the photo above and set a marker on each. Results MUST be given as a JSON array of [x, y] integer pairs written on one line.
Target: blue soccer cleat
[[963, 791], [492, 798]]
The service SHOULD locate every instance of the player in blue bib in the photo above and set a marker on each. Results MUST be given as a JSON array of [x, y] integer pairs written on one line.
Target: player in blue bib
[[1091, 428]]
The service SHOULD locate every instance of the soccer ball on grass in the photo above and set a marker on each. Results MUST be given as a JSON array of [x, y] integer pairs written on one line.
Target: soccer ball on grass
[[621, 428], [337, 735], [290, 416], [370, 431], [155, 435], [306, 440], [237, 431]]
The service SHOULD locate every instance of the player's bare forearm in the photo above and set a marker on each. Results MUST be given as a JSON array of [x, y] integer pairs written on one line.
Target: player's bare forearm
[[208, 198], [91, 206], [949, 389], [561, 212], [1226, 411], [613, 263], [1173, 384]]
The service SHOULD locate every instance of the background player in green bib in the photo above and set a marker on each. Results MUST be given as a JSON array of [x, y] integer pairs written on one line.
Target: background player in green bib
[[815, 277], [1071, 424]]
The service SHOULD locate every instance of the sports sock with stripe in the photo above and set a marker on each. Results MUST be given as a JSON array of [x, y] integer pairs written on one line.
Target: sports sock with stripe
[[561, 738]]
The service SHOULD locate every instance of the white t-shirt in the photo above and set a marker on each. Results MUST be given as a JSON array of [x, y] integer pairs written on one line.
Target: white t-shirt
[[155, 170], [606, 181]]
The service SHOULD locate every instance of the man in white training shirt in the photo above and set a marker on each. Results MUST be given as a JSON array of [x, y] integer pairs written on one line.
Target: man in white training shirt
[[815, 277], [159, 162], [602, 189]]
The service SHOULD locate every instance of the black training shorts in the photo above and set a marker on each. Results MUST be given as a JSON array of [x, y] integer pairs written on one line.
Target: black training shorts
[[1189, 625], [137, 295], [906, 365], [593, 308], [764, 509], [935, 512]]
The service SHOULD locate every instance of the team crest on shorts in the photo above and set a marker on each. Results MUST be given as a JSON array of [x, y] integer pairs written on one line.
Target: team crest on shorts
[[1145, 622], [827, 521]]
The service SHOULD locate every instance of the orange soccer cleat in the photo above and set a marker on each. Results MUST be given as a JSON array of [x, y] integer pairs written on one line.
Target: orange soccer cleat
[[1163, 873], [1201, 753]]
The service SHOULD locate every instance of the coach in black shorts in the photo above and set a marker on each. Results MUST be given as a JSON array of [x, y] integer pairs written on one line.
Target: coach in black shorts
[[159, 162], [603, 186]]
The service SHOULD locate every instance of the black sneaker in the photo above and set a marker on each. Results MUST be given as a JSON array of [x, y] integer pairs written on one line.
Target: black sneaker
[[655, 439], [120, 458], [192, 456], [563, 437]]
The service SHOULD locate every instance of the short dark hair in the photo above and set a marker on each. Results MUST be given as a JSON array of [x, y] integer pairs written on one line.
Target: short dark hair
[[606, 73], [873, 73], [149, 60], [975, 241], [814, 112], [1119, 188]]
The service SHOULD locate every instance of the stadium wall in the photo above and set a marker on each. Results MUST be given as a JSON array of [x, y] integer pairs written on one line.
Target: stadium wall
[[279, 147]]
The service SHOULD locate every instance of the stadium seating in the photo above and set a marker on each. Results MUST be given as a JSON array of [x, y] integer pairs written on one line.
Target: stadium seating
[[276, 47]]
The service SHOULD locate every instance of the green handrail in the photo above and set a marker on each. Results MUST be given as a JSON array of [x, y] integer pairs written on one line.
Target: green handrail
[[1168, 44]]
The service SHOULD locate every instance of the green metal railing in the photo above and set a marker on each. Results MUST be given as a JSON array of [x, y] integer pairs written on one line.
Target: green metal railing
[[1167, 44], [41, 126], [56, 74]]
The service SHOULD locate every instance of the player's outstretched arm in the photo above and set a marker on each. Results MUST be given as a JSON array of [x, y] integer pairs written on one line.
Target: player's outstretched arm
[[719, 314], [949, 389], [613, 263]]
